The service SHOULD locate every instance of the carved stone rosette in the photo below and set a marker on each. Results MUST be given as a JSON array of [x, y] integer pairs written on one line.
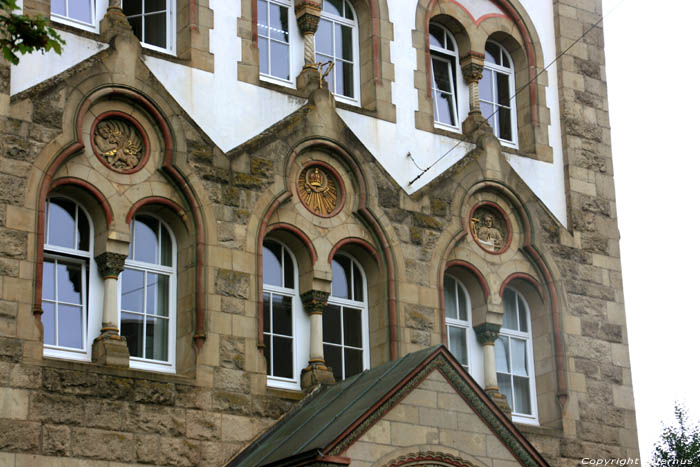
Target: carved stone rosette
[[119, 142], [319, 190], [489, 228], [110, 264], [314, 301]]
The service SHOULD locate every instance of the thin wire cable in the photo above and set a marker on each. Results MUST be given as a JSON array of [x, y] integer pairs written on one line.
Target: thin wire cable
[[463, 139]]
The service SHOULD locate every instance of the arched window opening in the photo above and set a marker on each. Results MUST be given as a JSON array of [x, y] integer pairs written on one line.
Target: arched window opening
[[443, 56], [65, 293], [514, 357], [458, 318], [496, 91], [345, 321], [273, 39], [337, 42], [148, 296]]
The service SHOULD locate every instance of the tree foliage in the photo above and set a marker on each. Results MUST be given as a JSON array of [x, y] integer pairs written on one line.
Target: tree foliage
[[22, 34], [679, 443]]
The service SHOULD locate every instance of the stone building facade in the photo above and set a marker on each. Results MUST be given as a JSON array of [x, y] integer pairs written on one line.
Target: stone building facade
[[322, 188]]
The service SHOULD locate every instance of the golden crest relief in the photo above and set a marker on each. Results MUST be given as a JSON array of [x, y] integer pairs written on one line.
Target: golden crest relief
[[318, 190], [119, 144]]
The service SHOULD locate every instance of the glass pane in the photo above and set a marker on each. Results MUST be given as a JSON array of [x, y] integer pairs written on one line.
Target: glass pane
[[166, 247], [282, 315], [485, 87], [487, 112], [344, 75], [445, 108], [510, 319], [504, 127], [458, 344], [505, 61], [333, 356], [264, 65], [155, 5], [83, 231], [450, 298], [449, 43], [462, 302], [80, 10], [519, 357], [352, 327], [522, 395], [48, 319], [505, 387], [58, 7], [157, 338], [348, 12], [283, 357], [70, 326], [343, 42], [272, 264], [132, 329], [279, 23], [522, 314], [47, 284], [334, 7], [132, 290], [503, 89], [157, 299], [267, 355], [340, 286], [279, 60], [61, 223], [493, 53], [441, 73], [502, 357], [437, 36], [131, 7], [156, 30], [69, 281], [288, 270], [324, 38], [331, 325], [353, 362], [358, 293], [266, 312], [135, 23], [262, 19], [146, 239]]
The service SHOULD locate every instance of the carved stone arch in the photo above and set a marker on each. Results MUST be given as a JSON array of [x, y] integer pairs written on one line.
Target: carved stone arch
[[429, 459]]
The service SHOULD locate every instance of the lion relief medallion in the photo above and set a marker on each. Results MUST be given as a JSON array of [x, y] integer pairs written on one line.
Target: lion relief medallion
[[319, 190], [119, 144]]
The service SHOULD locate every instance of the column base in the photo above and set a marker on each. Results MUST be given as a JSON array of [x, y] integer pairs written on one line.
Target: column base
[[500, 401], [309, 80], [315, 374], [476, 125], [111, 350]]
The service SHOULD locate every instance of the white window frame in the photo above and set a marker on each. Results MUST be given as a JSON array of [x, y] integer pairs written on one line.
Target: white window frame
[[290, 20], [170, 25], [91, 287], [451, 58], [98, 9], [139, 363], [300, 326], [335, 19], [493, 68], [356, 304], [531, 419], [458, 323]]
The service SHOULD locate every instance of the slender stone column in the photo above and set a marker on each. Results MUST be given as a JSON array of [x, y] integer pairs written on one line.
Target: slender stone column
[[472, 70], [308, 13], [110, 348], [315, 302], [486, 334]]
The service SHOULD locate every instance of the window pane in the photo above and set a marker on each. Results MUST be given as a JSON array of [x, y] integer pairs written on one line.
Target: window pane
[[279, 23], [282, 315], [157, 299], [441, 73], [437, 36], [505, 61], [504, 386], [450, 45], [48, 319], [279, 60], [345, 79], [522, 395], [348, 12], [334, 7], [166, 247], [493, 53], [445, 109], [62, 223], [69, 282], [283, 357], [135, 23], [262, 20], [331, 325], [156, 30], [487, 112], [80, 10], [358, 293], [522, 314], [146, 239], [343, 42], [353, 362], [47, 285], [267, 355], [132, 329], [132, 290], [502, 357], [131, 7], [58, 7], [83, 231], [463, 306], [333, 356], [450, 298], [503, 89], [272, 264], [340, 286], [504, 124], [155, 5], [458, 343], [264, 65], [519, 357], [510, 320], [266, 312], [288, 270], [352, 327], [70, 326], [157, 338], [324, 38], [485, 88]]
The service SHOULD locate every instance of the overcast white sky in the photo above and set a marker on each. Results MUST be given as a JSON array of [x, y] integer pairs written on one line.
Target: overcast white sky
[[654, 91]]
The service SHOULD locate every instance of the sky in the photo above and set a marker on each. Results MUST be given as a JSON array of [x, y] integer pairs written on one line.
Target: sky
[[653, 76]]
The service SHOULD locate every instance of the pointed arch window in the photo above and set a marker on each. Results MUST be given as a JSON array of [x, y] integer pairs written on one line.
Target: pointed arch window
[[496, 91], [443, 56], [345, 321]]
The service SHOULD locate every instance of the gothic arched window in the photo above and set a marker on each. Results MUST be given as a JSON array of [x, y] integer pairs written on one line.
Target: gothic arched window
[[443, 56]]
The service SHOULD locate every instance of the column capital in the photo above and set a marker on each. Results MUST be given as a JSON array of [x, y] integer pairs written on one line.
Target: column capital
[[110, 264], [315, 301], [472, 67], [487, 333], [308, 13]]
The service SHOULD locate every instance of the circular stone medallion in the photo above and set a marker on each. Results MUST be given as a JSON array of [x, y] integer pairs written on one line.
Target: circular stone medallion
[[490, 228], [119, 142], [320, 189]]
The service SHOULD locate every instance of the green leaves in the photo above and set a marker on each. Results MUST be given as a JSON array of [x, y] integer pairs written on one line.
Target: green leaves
[[680, 444], [22, 34]]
